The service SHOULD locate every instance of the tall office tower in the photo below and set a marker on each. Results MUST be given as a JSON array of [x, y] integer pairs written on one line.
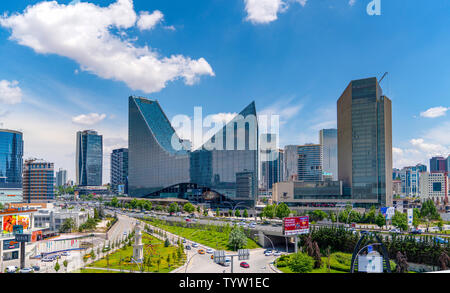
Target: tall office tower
[[119, 168], [154, 163], [272, 161], [11, 159], [38, 181], [291, 163], [365, 143], [438, 165], [328, 141], [89, 158], [61, 177], [310, 162]]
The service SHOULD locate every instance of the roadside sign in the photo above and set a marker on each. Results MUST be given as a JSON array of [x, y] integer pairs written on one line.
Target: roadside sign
[[410, 217], [23, 237], [369, 249], [296, 226], [243, 254], [219, 256]]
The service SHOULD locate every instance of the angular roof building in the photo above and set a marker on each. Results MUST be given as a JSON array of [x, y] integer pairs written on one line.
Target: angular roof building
[[225, 167]]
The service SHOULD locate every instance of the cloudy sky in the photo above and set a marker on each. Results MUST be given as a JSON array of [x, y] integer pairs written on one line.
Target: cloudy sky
[[71, 65]]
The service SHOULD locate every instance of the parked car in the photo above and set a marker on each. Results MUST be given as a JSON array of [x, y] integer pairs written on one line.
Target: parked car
[[209, 251], [66, 253], [201, 251], [26, 270], [268, 253], [11, 269], [396, 231], [188, 247], [416, 231], [244, 265], [277, 253], [195, 245]]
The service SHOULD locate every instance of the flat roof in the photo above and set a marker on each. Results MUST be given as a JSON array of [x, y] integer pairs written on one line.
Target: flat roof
[[17, 212], [10, 131]]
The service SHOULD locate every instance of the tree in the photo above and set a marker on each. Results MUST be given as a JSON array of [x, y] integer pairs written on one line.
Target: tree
[[317, 256], [318, 215], [57, 266], [245, 215], [428, 212], [380, 220], [68, 225], [400, 220], [416, 218], [188, 207], [174, 208], [269, 211], [237, 238], [301, 263], [217, 212], [237, 213], [282, 211], [158, 262], [371, 215], [65, 264], [166, 243], [444, 261], [402, 263]]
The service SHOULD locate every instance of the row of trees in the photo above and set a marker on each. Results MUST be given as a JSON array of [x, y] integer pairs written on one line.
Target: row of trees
[[279, 211]]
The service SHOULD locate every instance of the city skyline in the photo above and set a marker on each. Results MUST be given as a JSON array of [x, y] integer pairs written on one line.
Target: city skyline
[[277, 71]]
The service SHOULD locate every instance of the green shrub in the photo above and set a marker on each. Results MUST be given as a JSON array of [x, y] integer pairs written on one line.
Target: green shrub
[[301, 263]]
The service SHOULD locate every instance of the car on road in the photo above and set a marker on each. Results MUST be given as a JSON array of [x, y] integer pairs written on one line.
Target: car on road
[[244, 265], [188, 247], [26, 270], [396, 231], [416, 231], [227, 262], [36, 268], [277, 253], [194, 245], [48, 259], [188, 220], [66, 253], [11, 269], [184, 240], [209, 251], [268, 253], [201, 251]]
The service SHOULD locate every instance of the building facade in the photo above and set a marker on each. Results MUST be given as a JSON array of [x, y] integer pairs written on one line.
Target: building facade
[[119, 169], [11, 159], [38, 181], [434, 186], [272, 163], [89, 158], [438, 165], [365, 142], [410, 180], [160, 163], [310, 162], [328, 142], [61, 178]]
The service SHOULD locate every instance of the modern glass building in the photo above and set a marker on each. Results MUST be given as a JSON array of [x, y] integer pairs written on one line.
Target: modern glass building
[[119, 168], [328, 142], [154, 163], [310, 162], [438, 165], [227, 164], [89, 158], [11, 159], [365, 143], [61, 177]]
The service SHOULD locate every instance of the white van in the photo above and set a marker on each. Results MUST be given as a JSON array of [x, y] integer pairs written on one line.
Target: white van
[[227, 261]]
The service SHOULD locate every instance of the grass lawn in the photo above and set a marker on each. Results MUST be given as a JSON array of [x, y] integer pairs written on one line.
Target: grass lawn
[[94, 271], [121, 259], [212, 238], [339, 263]]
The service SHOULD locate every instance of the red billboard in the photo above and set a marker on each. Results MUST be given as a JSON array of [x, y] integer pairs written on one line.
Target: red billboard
[[296, 225]]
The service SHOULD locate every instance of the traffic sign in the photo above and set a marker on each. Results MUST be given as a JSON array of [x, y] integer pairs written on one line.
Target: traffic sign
[[243, 254], [23, 237]]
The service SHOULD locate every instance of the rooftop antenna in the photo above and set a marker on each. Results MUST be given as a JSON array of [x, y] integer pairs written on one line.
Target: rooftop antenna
[[384, 75]]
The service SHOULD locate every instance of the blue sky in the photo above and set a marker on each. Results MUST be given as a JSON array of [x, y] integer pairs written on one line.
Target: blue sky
[[68, 68]]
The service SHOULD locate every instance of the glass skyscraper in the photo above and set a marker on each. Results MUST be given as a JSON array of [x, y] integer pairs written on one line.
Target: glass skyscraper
[[365, 143], [328, 142], [89, 158], [119, 168], [226, 164], [310, 163], [11, 158]]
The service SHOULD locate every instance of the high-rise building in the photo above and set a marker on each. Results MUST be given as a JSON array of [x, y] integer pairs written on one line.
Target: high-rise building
[[61, 177], [222, 165], [310, 163], [272, 162], [328, 142], [38, 181], [365, 143], [434, 186], [119, 168], [438, 165], [11, 159], [89, 158], [291, 162], [410, 180]]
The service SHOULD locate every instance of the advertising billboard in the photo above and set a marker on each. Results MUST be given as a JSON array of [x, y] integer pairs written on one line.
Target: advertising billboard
[[14, 220], [296, 226]]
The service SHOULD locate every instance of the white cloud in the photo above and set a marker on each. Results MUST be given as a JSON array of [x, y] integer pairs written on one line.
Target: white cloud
[[351, 2], [435, 112], [82, 32], [10, 92], [89, 119], [149, 21], [266, 11], [223, 118]]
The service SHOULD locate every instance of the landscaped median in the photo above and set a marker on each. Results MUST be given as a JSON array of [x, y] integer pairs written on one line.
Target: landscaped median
[[216, 237], [158, 258]]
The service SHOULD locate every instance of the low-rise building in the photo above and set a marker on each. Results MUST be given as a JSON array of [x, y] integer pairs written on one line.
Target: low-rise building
[[53, 219]]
